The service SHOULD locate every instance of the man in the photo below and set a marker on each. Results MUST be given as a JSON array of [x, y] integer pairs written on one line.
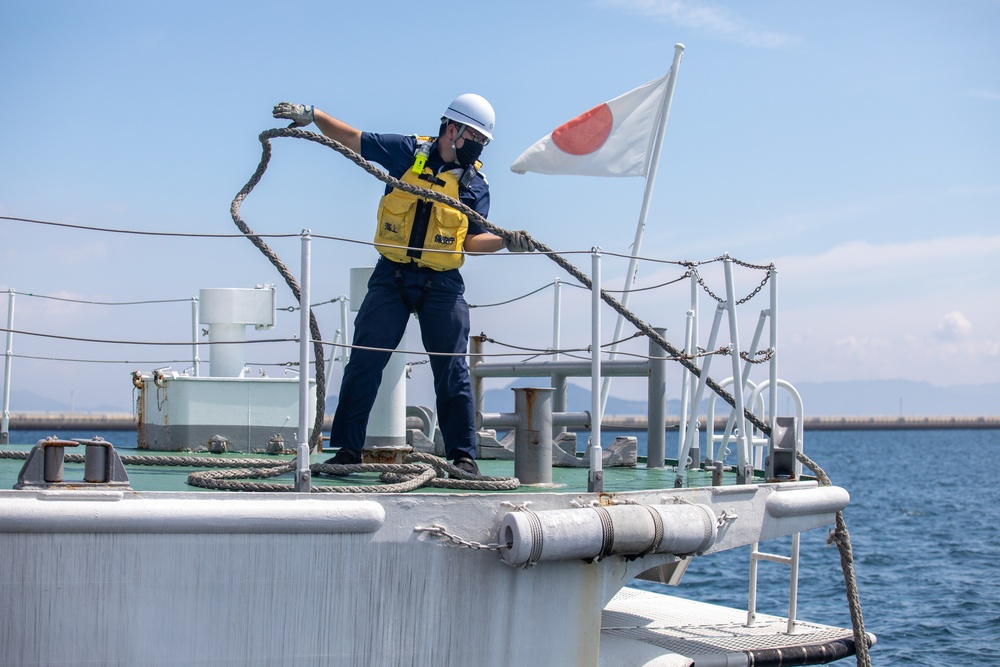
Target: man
[[421, 243]]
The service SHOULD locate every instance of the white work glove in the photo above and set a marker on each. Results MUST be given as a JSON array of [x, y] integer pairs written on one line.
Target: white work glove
[[519, 242], [300, 114]]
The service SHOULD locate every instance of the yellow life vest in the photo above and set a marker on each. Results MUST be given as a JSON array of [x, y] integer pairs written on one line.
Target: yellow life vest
[[408, 224]]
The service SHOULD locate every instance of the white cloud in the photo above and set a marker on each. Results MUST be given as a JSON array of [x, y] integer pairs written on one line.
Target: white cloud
[[713, 19], [907, 309], [953, 327], [861, 348], [860, 262], [82, 255]]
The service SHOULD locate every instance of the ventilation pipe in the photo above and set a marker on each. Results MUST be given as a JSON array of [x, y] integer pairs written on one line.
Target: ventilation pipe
[[227, 312]]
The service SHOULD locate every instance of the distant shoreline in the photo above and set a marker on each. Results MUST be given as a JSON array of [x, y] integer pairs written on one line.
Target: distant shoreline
[[123, 421], [839, 423]]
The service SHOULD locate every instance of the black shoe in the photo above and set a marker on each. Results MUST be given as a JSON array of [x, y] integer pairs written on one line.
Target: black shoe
[[465, 464], [344, 457]]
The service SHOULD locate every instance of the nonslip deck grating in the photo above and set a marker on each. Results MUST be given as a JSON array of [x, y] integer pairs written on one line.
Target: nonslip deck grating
[[694, 628]]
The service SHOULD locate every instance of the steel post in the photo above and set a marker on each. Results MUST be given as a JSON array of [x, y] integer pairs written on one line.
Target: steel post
[[475, 359], [533, 435], [687, 387], [745, 471], [195, 321], [656, 409], [8, 359], [595, 480], [303, 476]]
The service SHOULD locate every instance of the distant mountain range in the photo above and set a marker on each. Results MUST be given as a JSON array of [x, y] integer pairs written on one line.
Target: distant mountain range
[[862, 398]]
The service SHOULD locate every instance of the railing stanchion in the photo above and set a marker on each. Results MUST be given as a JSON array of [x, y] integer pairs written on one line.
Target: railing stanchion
[[195, 317], [744, 473], [8, 359], [303, 476], [656, 405], [595, 481]]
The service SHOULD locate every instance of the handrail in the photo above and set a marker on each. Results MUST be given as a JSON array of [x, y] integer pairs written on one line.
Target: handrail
[[793, 587]]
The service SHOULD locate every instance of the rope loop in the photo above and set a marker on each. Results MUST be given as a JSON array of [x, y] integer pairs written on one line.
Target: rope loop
[[842, 538], [417, 471], [265, 139]]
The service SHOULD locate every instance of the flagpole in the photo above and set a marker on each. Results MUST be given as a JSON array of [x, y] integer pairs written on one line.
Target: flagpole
[[646, 197]]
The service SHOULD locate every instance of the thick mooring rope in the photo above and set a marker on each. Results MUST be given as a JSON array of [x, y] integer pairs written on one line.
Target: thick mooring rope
[[265, 139], [158, 460], [234, 209], [418, 470], [842, 538]]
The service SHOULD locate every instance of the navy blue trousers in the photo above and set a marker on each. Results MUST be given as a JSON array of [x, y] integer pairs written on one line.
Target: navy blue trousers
[[381, 322]]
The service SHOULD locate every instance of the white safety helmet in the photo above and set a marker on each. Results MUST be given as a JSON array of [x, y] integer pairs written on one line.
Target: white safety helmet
[[474, 111]]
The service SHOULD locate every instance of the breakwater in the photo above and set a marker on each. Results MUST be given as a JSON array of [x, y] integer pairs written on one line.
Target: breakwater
[[628, 423], [125, 421]]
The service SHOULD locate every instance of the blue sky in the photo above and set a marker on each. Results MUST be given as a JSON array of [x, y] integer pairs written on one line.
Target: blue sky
[[853, 144]]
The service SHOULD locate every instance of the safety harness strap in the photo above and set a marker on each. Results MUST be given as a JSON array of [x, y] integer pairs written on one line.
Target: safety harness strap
[[428, 284]]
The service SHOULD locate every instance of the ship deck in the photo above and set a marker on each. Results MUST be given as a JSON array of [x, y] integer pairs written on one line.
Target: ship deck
[[174, 477]]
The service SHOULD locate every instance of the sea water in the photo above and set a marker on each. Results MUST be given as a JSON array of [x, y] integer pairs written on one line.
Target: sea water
[[923, 517], [923, 525]]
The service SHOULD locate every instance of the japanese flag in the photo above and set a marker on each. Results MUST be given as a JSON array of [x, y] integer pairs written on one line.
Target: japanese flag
[[612, 139]]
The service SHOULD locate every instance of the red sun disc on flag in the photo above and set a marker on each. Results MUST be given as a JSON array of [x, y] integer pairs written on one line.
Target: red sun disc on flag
[[586, 133]]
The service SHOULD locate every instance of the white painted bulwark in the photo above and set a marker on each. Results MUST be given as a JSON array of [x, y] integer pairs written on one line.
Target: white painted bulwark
[[57, 512], [119, 577]]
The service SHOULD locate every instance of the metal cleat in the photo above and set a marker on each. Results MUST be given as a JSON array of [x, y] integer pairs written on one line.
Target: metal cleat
[[44, 467]]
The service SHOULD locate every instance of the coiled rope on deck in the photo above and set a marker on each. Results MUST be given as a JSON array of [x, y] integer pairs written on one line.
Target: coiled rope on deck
[[418, 470], [842, 538], [265, 139], [158, 460]]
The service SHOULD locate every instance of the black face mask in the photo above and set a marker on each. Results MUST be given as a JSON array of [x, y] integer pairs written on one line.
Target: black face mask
[[468, 153]]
